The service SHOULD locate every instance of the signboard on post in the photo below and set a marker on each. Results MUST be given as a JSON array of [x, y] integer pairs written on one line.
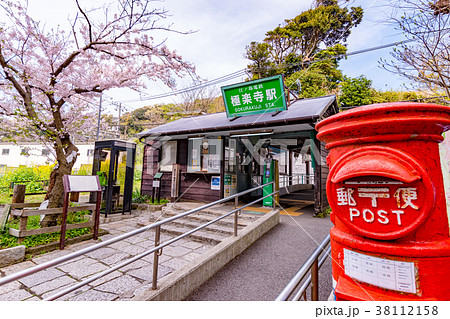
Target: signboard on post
[[77, 184], [156, 184], [175, 189], [255, 97], [215, 182]]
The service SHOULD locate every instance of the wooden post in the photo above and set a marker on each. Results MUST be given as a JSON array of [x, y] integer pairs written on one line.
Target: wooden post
[[18, 193], [276, 185], [64, 220], [291, 170], [18, 197], [23, 221], [97, 214], [74, 197], [308, 172]]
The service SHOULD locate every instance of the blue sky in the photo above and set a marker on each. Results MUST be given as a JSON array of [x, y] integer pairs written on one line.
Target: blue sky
[[224, 28]]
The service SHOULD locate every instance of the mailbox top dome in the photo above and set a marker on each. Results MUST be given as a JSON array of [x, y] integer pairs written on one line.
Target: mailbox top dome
[[398, 120]]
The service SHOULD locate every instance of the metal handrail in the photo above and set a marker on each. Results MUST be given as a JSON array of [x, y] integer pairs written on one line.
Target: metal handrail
[[298, 177], [312, 264], [302, 290], [156, 249]]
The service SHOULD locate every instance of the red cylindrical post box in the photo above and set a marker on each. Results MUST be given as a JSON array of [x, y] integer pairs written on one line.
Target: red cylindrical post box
[[390, 239]]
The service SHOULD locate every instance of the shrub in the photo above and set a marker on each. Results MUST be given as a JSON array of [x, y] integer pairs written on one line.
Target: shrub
[[147, 199], [33, 174], [7, 240], [85, 169]]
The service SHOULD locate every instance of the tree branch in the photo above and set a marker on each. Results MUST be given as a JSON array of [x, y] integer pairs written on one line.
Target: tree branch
[[87, 20]]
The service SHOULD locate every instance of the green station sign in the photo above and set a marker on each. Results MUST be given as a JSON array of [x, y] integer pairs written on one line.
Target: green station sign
[[255, 97]]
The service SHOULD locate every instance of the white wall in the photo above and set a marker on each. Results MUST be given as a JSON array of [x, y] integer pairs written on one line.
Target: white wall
[[35, 157]]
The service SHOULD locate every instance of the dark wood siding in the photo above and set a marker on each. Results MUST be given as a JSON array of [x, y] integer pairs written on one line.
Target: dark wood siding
[[320, 176], [192, 186], [321, 168], [324, 176], [150, 168]]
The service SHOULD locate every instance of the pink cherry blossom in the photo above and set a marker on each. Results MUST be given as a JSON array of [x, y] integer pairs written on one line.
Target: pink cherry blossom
[[49, 76]]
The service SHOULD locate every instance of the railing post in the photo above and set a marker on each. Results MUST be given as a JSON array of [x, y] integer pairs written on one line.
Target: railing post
[[315, 280], [236, 204], [156, 255], [274, 197]]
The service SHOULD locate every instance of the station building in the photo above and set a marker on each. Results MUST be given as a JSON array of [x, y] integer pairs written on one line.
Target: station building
[[218, 156]]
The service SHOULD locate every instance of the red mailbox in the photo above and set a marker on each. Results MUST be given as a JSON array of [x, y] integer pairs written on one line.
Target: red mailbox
[[390, 239]]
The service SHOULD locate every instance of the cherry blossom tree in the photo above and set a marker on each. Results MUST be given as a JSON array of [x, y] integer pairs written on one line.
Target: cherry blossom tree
[[49, 76]]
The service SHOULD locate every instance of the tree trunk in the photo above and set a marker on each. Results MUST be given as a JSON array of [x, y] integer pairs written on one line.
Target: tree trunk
[[18, 193], [55, 194], [18, 196]]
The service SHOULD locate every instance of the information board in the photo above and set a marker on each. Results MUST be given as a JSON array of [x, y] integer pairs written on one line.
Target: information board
[[381, 272], [81, 183], [255, 97]]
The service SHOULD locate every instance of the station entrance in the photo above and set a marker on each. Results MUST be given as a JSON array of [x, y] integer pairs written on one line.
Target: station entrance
[[247, 158]]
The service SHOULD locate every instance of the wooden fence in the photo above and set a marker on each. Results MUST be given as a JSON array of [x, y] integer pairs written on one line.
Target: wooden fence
[[23, 211]]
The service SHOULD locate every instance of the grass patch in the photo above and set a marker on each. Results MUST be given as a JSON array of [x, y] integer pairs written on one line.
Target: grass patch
[[7, 240], [323, 213], [147, 199], [6, 199]]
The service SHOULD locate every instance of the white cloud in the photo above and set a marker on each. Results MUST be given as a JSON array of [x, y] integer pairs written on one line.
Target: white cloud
[[224, 28]]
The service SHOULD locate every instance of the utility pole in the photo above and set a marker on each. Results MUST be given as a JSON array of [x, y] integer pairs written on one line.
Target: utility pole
[[99, 114], [118, 124]]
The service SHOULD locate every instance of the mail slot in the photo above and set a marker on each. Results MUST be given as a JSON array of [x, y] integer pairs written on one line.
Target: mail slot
[[390, 239]]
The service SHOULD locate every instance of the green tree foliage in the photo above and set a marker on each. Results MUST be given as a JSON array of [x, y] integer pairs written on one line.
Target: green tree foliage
[[259, 54], [147, 117], [307, 48], [404, 96], [356, 91], [321, 77], [359, 91]]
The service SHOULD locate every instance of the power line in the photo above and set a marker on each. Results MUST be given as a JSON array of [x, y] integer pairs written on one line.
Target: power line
[[192, 88], [243, 72]]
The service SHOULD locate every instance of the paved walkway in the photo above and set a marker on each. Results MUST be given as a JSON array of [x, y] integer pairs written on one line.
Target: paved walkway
[[121, 284], [260, 273]]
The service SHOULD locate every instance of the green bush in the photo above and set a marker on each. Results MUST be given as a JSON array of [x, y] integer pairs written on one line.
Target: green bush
[[7, 241], [85, 169], [323, 213], [147, 199], [27, 173]]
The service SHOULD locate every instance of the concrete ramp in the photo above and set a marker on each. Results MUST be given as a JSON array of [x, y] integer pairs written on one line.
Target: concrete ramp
[[182, 282]]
